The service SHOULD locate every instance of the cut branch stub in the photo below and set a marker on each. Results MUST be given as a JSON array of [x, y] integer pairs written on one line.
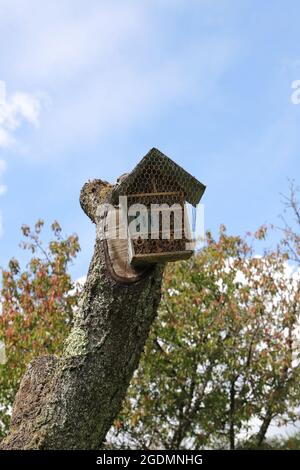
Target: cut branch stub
[[94, 193]]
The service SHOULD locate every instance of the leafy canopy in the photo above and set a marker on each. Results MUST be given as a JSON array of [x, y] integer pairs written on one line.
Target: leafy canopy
[[37, 307], [223, 351]]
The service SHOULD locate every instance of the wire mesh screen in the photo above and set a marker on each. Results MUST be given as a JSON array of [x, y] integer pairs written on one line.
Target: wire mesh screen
[[155, 177], [158, 173]]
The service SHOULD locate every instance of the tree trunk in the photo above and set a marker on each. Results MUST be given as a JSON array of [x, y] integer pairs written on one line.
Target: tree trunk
[[70, 402], [264, 428], [232, 416]]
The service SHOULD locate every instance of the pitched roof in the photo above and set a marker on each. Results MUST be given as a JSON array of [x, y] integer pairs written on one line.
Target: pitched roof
[[192, 188]]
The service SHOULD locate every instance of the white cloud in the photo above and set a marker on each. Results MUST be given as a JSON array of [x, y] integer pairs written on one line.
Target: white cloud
[[1, 225], [81, 281], [5, 139], [2, 169], [16, 109], [58, 39], [109, 65]]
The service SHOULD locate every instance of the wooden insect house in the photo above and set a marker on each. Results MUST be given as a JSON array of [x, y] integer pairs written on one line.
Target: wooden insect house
[[163, 188]]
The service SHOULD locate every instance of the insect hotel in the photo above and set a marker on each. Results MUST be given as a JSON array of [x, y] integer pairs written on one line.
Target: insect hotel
[[158, 190]]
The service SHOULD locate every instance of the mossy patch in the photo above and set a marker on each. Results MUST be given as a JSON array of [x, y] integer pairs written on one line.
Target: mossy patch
[[76, 343]]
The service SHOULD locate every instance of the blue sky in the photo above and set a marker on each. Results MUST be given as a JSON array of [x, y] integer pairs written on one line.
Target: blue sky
[[90, 87]]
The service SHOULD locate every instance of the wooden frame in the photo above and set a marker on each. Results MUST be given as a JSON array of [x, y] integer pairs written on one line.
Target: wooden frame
[[160, 257], [150, 258]]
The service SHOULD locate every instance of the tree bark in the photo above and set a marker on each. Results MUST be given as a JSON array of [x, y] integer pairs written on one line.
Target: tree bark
[[232, 415], [70, 402]]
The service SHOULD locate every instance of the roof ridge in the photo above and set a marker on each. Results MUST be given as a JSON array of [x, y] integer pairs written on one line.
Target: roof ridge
[[193, 188]]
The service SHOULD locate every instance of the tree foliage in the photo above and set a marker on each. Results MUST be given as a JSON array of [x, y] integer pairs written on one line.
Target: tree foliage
[[223, 353], [37, 307], [291, 442]]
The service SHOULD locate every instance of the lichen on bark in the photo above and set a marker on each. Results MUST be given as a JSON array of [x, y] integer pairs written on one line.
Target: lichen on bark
[[76, 343]]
